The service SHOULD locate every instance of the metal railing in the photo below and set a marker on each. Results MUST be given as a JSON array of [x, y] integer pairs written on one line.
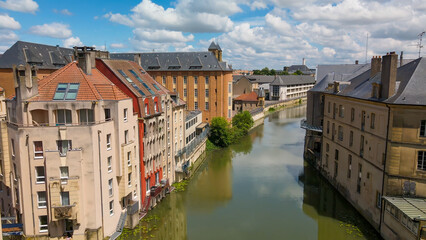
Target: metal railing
[[188, 149], [133, 208], [305, 125]]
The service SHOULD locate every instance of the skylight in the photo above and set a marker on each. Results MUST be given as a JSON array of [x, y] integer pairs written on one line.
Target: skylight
[[155, 85], [66, 91], [125, 76], [141, 81]]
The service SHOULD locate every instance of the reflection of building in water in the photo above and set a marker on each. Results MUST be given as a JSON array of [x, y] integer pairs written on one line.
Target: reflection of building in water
[[325, 206], [212, 186], [294, 112]]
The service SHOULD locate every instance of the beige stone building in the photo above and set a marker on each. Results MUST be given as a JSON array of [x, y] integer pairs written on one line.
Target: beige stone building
[[73, 148], [201, 79], [372, 147]]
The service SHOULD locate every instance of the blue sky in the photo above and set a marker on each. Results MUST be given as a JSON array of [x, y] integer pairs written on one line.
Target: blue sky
[[252, 33]]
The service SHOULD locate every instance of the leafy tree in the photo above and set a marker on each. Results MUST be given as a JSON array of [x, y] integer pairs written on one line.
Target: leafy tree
[[264, 71], [257, 72], [272, 72], [284, 73], [220, 132], [242, 121], [298, 72]]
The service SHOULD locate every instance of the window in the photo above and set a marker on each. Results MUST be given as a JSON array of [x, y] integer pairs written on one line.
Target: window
[[229, 88], [349, 166], [64, 174], [362, 120], [65, 198], [328, 127], [129, 179], [207, 80], [378, 200], [184, 92], [146, 109], [107, 114], [373, 119], [66, 91], [336, 154], [329, 106], [109, 162], [125, 114], [110, 187], [196, 92], [327, 147], [336, 168], [41, 199], [229, 101], [174, 79], [185, 79], [126, 136], [195, 105], [195, 79], [63, 147], [129, 160], [12, 141], [86, 116], [276, 91], [164, 80], [207, 106], [38, 150], [361, 147], [15, 173], [147, 185], [108, 141], [421, 160], [326, 160], [340, 129], [42, 223], [40, 176], [351, 138], [63, 117], [341, 111], [423, 128], [358, 186], [352, 114], [229, 113], [111, 208]]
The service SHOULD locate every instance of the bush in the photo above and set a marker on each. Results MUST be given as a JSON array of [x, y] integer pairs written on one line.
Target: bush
[[271, 109], [220, 132]]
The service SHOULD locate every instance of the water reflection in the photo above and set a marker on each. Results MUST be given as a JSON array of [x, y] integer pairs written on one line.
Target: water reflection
[[259, 188]]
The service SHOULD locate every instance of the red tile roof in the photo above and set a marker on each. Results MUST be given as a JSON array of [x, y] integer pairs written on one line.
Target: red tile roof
[[92, 87], [249, 97]]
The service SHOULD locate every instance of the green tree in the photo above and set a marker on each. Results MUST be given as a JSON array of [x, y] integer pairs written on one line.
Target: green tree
[[220, 132], [272, 72], [242, 121], [284, 73], [257, 72], [264, 71], [298, 72]]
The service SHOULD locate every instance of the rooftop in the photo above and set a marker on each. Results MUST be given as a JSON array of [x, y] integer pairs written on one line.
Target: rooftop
[[285, 80], [414, 208], [192, 114], [248, 97]]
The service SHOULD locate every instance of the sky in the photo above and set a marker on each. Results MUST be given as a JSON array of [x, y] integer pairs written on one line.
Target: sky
[[252, 33]]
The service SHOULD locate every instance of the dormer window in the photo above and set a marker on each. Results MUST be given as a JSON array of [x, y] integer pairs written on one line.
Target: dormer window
[[66, 91]]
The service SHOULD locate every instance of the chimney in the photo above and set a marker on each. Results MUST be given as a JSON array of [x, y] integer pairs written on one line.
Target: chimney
[[26, 81], [401, 58], [389, 66], [85, 57], [137, 58], [375, 66], [303, 61], [356, 62], [336, 88]]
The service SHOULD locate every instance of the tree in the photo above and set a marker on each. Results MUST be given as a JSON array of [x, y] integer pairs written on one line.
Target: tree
[[264, 71], [220, 132], [242, 121], [272, 72], [257, 72], [298, 72]]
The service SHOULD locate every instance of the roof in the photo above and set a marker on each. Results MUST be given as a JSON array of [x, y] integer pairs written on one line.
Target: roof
[[303, 68], [248, 97], [285, 80], [260, 78], [414, 208], [43, 56], [176, 61], [214, 46], [192, 114], [91, 87]]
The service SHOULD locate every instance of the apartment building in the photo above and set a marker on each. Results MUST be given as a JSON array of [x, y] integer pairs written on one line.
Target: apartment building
[[47, 59], [372, 147], [73, 148], [201, 79], [290, 86]]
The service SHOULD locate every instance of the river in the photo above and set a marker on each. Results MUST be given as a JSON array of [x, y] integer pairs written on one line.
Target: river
[[260, 188]]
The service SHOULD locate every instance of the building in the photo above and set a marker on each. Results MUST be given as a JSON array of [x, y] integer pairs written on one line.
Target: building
[[201, 79], [246, 102], [241, 85], [73, 148], [372, 147], [242, 72], [47, 59], [285, 87]]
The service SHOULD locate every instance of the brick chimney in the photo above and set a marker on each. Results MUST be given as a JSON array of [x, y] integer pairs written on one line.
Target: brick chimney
[[137, 58], [85, 57], [376, 66], [388, 80]]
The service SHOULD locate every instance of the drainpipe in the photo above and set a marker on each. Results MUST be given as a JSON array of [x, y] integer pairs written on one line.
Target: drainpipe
[[100, 180], [31, 184], [384, 169]]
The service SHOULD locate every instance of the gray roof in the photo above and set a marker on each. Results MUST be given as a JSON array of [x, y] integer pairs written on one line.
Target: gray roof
[[414, 208], [214, 46], [43, 56], [285, 80], [260, 78], [342, 72], [192, 114], [176, 61]]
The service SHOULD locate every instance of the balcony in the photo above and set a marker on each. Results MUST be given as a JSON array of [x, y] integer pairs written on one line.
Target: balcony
[[305, 125], [64, 212], [133, 208], [180, 152]]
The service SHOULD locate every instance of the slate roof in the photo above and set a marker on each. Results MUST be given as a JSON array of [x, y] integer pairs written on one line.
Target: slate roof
[[260, 78], [342, 72], [285, 80], [414, 208], [176, 61], [43, 56], [92, 87], [214, 46], [191, 114], [247, 97]]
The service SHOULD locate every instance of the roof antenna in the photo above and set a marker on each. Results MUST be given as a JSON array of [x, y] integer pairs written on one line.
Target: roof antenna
[[105, 46], [419, 45]]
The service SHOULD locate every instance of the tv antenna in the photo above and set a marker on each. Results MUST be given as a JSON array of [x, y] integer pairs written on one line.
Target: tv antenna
[[419, 45]]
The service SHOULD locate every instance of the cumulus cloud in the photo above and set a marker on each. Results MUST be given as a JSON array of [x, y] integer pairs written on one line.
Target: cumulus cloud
[[63, 12], [117, 45], [29, 6], [161, 36], [71, 42], [7, 22], [54, 30], [8, 36]]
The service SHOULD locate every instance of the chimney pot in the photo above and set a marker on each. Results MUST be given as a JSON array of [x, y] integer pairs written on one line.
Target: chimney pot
[[388, 78], [375, 66]]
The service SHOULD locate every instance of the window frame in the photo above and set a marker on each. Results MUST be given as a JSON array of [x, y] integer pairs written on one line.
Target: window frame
[[38, 152], [40, 177], [125, 112], [41, 204], [43, 227], [64, 179], [111, 207], [108, 141], [110, 187], [109, 163]]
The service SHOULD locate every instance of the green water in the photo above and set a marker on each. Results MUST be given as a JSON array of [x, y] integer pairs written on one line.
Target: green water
[[260, 188]]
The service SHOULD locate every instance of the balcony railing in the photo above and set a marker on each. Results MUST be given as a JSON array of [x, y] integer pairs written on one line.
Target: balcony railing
[[305, 125], [63, 212], [188, 149], [133, 208]]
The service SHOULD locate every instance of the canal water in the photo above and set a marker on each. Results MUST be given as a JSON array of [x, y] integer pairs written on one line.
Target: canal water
[[259, 188]]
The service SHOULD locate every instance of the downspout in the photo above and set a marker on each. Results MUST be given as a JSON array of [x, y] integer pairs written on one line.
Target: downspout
[[100, 180], [31, 184], [384, 169]]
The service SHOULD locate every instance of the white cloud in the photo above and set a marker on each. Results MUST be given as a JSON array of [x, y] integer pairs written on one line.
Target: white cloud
[[20, 5], [63, 12], [161, 36], [7, 22], [54, 30], [117, 45], [258, 5], [328, 52], [8, 36], [71, 42], [188, 48]]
